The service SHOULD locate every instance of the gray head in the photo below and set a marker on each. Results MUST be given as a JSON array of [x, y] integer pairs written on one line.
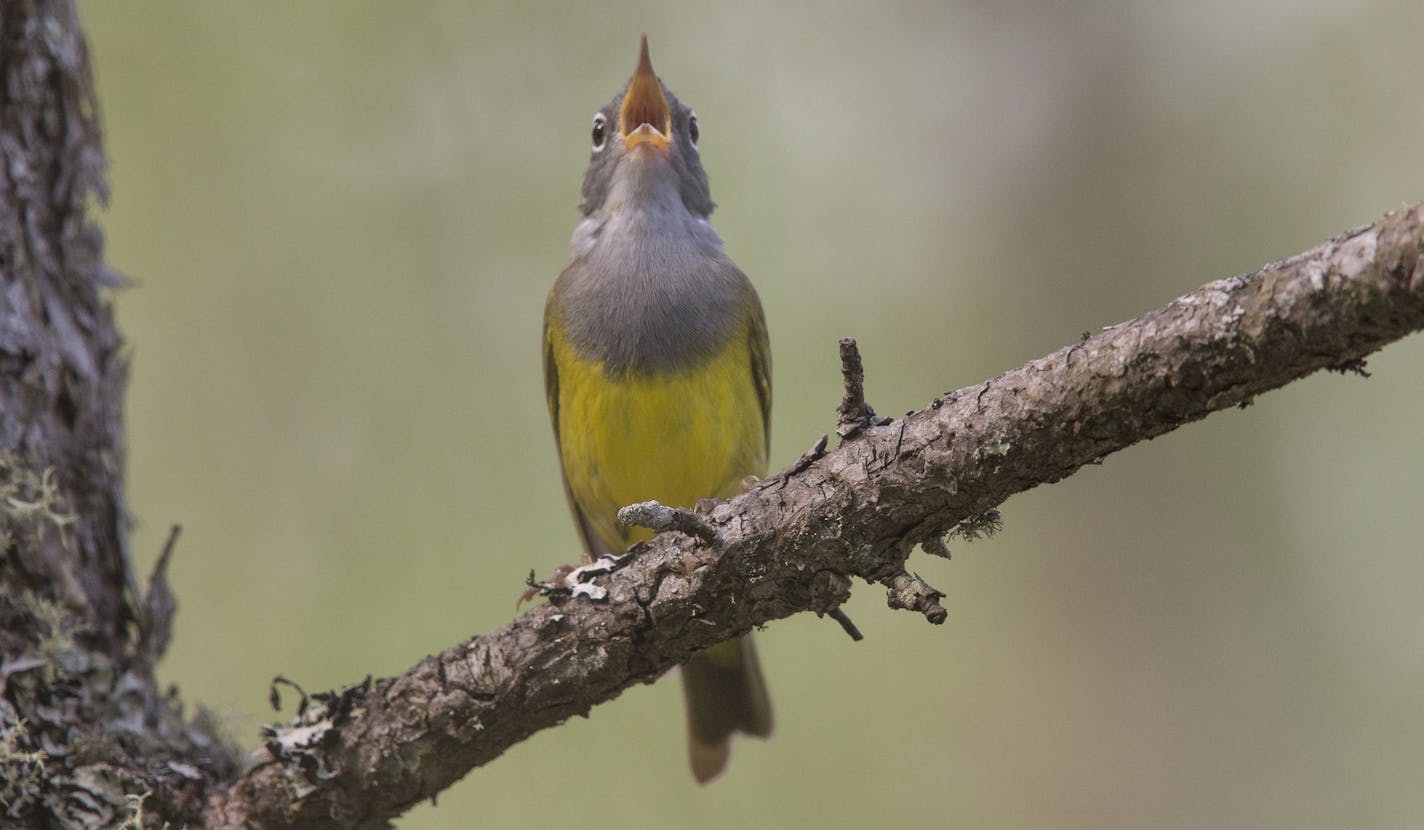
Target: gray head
[[645, 132]]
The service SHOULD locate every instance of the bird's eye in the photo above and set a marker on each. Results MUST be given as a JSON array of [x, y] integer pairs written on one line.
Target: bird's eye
[[600, 132], [692, 131]]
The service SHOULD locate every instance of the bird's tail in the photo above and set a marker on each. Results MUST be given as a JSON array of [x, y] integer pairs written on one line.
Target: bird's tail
[[725, 694]]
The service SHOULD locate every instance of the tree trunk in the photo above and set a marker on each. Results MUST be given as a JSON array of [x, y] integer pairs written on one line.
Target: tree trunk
[[84, 731]]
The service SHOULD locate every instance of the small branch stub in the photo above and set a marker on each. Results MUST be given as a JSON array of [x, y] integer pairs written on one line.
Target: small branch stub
[[807, 458], [908, 592], [854, 414], [846, 624], [158, 605], [829, 590], [936, 546], [659, 517]]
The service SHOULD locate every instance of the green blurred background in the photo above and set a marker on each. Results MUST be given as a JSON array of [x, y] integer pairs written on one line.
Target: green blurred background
[[342, 219]]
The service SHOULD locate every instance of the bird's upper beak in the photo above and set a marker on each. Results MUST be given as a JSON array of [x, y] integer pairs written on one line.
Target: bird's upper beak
[[646, 117]]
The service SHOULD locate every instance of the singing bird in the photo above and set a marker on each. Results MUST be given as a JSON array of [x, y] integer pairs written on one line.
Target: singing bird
[[657, 368]]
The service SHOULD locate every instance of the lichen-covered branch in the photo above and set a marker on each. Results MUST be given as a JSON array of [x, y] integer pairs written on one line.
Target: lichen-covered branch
[[363, 755]]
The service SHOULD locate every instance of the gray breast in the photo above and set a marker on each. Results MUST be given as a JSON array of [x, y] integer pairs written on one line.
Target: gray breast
[[651, 304]]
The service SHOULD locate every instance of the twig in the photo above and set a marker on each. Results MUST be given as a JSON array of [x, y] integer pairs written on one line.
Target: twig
[[158, 605], [840, 616]]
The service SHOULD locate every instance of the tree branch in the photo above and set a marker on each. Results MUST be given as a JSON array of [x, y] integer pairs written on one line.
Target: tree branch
[[367, 753]]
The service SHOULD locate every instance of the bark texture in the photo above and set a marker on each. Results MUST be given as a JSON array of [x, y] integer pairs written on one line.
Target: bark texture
[[363, 755], [62, 376], [84, 731]]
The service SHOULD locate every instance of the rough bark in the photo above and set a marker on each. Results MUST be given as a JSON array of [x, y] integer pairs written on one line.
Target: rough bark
[[792, 542], [84, 731], [85, 735]]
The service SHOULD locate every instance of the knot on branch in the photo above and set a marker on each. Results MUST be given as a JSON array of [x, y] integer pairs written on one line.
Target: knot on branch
[[907, 592], [659, 517]]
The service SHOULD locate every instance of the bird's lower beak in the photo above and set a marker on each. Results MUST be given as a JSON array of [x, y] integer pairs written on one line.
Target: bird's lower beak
[[645, 117]]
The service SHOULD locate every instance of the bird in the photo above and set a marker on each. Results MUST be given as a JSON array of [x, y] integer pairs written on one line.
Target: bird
[[657, 368]]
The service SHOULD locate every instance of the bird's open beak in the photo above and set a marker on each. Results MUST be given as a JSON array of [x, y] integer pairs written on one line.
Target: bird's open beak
[[645, 117]]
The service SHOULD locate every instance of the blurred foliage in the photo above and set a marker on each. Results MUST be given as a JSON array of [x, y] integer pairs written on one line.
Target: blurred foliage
[[341, 219]]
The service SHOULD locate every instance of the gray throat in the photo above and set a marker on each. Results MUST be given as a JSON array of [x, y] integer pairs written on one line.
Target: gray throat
[[648, 287]]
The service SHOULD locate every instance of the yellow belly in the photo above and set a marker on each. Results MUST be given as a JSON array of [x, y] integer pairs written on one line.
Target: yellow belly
[[674, 438]]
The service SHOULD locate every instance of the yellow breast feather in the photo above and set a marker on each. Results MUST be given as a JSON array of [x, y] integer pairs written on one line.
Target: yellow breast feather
[[677, 437]]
